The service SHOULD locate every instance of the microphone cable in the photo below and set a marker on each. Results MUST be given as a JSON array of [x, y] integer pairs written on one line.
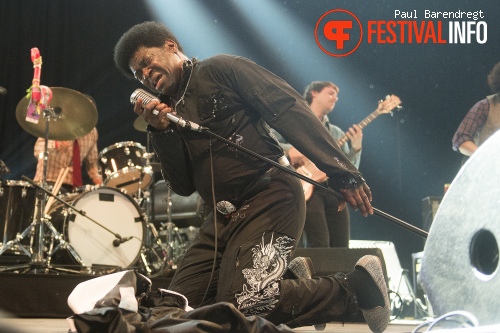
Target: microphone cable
[[214, 212]]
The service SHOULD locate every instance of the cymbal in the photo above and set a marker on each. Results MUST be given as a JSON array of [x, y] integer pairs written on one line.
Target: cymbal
[[140, 124], [78, 116]]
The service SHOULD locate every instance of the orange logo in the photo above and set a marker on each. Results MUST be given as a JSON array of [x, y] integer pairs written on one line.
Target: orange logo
[[338, 32]]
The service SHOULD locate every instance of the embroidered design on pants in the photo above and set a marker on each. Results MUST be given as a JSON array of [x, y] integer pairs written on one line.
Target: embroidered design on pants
[[261, 292]]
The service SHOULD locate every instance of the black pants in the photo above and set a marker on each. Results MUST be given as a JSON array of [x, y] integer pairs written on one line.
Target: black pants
[[325, 226], [252, 249]]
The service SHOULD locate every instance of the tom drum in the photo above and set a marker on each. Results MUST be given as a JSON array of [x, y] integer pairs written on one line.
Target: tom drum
[[17, 206], [123, 166]]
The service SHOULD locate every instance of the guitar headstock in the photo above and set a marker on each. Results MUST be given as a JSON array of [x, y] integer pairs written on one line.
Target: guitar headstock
[[390, 103]]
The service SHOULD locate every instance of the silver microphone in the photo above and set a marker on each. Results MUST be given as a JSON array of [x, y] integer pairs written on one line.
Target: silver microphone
[[148, 97]]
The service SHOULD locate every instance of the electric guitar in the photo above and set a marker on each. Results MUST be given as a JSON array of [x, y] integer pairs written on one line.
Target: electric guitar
[[310, 170]]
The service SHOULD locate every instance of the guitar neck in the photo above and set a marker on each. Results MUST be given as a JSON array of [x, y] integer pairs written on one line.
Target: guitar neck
[[362, 125]]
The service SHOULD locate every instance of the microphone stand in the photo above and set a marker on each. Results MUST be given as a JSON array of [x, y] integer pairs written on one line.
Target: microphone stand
[[336, 194]]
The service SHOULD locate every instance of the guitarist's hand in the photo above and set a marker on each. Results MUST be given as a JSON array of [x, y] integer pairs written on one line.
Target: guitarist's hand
[[358, 198], [355, 134], [297, 159]]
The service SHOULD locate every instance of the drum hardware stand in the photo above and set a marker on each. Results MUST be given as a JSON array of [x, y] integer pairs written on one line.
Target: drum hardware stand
[[172, 231], [147, 156], [16, 243], [37, 258], [149, 256], [153, 253], [140, 193], [156, 259]]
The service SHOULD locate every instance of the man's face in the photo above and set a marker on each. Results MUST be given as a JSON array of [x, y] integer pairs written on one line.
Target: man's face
[[326, 98], [158, 68]]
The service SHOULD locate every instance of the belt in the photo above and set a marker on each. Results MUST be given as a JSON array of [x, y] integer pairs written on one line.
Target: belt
[[227, 207]]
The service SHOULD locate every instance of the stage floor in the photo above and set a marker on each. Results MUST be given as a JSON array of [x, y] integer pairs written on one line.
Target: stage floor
[[42, 325], [38, 303]]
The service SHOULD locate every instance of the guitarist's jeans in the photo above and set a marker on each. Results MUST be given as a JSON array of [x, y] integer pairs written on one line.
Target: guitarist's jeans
[[254, 246], [325, 226]]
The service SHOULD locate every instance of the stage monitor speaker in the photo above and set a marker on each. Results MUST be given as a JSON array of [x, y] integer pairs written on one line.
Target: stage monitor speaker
[[328, 261], [421, 305], [397, 277], [460, 268]]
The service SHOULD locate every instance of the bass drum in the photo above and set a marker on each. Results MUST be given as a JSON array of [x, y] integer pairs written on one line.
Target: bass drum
[[114, 212]]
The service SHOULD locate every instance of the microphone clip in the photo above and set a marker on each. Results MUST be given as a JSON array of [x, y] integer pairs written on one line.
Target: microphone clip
[[120, 240]]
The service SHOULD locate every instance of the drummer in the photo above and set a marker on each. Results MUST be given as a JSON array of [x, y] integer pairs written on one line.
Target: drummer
[[61, 156]]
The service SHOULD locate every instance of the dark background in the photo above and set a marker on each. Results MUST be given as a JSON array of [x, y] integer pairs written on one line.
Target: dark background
[[405, 157]]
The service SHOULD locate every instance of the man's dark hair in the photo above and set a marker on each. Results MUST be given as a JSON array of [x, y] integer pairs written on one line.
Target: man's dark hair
[[494, 79], [147, 34], [317, 86]]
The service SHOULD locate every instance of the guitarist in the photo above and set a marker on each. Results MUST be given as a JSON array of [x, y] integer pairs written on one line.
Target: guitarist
[[481, 121], [325, 226]]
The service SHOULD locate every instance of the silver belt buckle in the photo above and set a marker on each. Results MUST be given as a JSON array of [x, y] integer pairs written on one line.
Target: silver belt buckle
[[225, 207]]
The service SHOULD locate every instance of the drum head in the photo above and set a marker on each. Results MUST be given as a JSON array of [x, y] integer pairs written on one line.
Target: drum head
[[114, 213], [123, 166], [130, 179]]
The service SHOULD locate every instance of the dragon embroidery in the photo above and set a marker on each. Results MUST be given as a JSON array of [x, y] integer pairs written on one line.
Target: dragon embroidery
[[261, 292]]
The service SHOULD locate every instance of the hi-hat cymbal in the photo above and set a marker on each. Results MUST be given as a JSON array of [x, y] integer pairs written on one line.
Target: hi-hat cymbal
[[140, 124], [78, 116]]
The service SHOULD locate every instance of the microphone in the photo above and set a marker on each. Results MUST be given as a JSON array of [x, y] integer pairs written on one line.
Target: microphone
[[148, 97], [120, 240], [3, 91]]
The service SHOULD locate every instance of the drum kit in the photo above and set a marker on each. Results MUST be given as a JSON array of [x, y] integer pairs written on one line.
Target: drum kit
[[94, 229]]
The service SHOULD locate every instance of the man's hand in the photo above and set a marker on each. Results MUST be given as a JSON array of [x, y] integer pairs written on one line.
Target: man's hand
[[297, 159], [97, 180], [158, 121], [359, 198], [467, 148]]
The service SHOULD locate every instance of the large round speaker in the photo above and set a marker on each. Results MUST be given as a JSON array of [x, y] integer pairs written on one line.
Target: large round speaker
[[460, 262]]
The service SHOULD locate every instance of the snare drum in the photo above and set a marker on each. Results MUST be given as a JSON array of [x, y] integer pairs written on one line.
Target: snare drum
[[123, 166], [17, 206], [116, 213]]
